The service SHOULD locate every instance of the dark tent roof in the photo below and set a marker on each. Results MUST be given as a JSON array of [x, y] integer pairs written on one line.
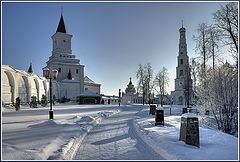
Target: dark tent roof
[[69, 76], [30, 70], [61, 26], [130, 82]]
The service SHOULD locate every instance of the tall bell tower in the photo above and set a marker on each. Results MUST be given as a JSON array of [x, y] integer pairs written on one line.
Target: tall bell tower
[[183, 82], [70, 77]]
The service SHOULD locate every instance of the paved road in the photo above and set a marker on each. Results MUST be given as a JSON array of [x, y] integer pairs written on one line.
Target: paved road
[[115, 139]]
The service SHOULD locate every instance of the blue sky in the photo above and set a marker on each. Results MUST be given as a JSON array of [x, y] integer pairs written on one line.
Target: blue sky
[[110, 39]]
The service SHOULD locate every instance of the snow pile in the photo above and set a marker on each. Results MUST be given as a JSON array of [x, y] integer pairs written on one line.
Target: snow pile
[[214, 145], [51, 139]]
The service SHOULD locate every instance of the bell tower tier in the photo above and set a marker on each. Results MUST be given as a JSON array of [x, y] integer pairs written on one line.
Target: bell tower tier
[[61, 43]]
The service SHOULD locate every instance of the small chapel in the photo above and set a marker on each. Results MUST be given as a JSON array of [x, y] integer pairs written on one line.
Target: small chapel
[[182, 95], [130, 95]]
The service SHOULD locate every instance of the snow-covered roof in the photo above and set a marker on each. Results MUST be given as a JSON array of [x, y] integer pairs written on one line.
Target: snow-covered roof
[[88, 80], [110, 97], [159, 107], [23, 72]]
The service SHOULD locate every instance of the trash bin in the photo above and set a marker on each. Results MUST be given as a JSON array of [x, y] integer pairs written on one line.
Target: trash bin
[[184, 110], [159, 117], [192, 110], [152, 109], [189, 131], [206, 112]]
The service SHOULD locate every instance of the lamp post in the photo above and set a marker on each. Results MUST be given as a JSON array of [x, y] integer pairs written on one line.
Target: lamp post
[[50, 75], [153, 99], [119, 96], [149, 96], [143, 97]]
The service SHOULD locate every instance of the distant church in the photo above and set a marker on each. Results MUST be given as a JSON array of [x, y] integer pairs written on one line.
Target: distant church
[[69, 83], [130, 95], [183, 83]]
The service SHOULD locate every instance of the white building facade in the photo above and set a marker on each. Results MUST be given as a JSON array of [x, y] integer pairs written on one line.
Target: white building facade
[[70, 71], [183, 82], [22, 84], [91, 86], [69, 83]]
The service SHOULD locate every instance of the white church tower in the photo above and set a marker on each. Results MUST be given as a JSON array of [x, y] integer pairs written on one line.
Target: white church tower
[[183, 82], [70, 79]]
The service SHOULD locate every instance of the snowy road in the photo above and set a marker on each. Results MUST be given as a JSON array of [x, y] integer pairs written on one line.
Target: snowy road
[[105, 132], [28, 134], [115, 139]]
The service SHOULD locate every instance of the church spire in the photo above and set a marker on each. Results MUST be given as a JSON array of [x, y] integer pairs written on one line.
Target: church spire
[[30, 69], [61, 26], [182, 29], [130, 82]]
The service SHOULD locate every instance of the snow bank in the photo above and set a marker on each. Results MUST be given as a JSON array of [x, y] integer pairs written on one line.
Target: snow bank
[[51, 139], [214, 145]]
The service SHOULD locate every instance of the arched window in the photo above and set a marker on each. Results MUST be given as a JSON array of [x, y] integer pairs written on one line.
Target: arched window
[[181, 72], [180, 100], [181, 61]]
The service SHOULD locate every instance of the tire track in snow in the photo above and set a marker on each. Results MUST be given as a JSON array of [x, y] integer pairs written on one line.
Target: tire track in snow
[[115, 138], [149, 149]]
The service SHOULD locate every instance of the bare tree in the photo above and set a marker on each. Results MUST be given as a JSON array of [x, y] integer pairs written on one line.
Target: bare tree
[[187, 88], [162, 80], [201, 45], [222, 97], [217, 87], [194, 72], [140, 77], [144, 76], [148, 80], [213, 43], [202, 41], [226, 19]]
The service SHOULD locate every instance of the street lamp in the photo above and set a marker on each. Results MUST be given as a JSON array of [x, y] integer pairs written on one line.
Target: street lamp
[[149, 96], [143, 97], [119, 96], [50, 76]]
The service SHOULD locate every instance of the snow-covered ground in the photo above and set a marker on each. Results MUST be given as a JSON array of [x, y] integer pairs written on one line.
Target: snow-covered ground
[[29, 135], [214, 145]]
